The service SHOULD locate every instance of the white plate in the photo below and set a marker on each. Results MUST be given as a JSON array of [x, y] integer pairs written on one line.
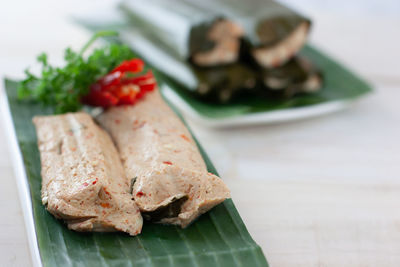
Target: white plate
[[21, 178], [267, 117]]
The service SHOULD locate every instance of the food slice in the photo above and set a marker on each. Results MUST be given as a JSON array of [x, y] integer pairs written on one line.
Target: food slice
[[170, 182], [83, 181]]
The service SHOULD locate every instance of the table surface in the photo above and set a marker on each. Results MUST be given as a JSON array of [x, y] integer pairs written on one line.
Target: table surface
[[318, 192]]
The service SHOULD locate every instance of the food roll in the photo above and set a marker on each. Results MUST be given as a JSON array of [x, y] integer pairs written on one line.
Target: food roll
[[189, 31], [170, 181], [83, 181]]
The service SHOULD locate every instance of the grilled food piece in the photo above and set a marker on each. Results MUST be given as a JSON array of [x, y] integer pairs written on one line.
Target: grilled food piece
[[170, 182], [83, 181]]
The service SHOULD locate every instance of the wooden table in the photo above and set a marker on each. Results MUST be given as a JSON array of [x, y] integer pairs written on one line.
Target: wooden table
[[320, 192]]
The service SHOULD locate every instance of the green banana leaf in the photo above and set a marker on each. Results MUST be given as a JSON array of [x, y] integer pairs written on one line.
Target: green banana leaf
[[217, 238]]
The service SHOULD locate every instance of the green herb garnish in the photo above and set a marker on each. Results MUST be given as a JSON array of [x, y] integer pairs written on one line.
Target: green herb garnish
[[63, 87]]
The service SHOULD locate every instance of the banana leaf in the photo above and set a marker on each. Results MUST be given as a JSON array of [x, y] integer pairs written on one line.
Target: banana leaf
[[217, 238]]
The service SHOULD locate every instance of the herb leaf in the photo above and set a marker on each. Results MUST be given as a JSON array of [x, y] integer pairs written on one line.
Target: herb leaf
[[63, 87]]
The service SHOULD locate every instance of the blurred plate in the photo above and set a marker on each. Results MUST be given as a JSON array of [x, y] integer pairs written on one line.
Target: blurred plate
[[267, 117]]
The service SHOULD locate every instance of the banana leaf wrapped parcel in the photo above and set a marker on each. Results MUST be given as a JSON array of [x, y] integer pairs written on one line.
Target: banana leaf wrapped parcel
[[188, 31], [207, 31], [221, 49], [275, 32]]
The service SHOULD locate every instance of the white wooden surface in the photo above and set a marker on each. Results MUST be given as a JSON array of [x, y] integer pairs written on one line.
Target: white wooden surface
[[320, 192]]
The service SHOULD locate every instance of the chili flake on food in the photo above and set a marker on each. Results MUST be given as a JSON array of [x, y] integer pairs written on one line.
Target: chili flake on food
[[105, 205], [140, 194], [185, 137]]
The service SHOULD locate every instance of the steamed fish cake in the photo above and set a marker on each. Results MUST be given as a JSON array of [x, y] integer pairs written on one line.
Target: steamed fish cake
[[83, 181], [170, 182]]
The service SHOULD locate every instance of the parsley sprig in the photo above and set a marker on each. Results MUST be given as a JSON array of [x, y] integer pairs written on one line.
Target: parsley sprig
[[62, 87]]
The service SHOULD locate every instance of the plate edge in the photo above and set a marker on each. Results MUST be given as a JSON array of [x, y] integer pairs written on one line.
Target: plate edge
[[21, 177], [269, 117]]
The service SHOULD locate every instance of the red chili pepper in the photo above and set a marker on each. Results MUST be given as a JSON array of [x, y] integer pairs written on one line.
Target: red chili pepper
[[133, 65], [124, 85]]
